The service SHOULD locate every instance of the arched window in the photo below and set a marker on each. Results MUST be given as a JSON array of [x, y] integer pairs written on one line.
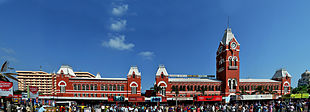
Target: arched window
[[162, 75], [79, 87], [235, 61], [83, 87], [114, 87], [95, 87], [91, 87], [74, 87], [229, 84], [122, 87], [102, 87], [133, 75], [230, 61], [87, 87], [234, 84]]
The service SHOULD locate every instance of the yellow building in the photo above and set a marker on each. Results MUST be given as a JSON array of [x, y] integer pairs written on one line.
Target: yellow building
[[43, 80]]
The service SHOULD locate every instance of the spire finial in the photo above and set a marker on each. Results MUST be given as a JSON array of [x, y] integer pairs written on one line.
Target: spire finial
[[228, 22]]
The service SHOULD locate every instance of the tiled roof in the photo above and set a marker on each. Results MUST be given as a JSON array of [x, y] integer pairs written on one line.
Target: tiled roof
[[257, 80], [192, 80], [78, 78]]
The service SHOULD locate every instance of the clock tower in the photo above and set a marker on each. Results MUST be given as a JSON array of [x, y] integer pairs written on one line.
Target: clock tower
[[227, 63]]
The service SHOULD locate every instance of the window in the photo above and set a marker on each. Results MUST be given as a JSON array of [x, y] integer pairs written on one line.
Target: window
[[74, 87], [87, 87], [235, 61], [95, 87], [75, 94], [102, 95], [162, 75], [133, 75], [110, 87], [91, 87], [234, 84], [102, 87], [83, 87], [229, 84], [230, 61], [133, 90], [105, 87], [163, 91], [79, 87], [114, 87], [118, 88], [122, 88], [62, 89]]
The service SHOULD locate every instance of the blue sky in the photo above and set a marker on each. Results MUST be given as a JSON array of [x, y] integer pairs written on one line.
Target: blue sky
[[108, 36]]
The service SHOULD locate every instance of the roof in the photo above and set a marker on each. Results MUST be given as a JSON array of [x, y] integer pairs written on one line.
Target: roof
[[257, 80], [134, 69], [228, 36], [161, 70], [281, 74], [192, 80], [66, 69], [81, 78]]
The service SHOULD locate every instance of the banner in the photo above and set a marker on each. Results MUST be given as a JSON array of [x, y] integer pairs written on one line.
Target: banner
[[156, 99], [118, 98], [136, 99], [254, 97], [33, 92], [303, 95], [209, 98], [6, 88]]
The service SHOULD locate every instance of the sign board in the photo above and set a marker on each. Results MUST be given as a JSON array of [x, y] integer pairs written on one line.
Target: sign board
[[183, 98], [118, 98], [303, 95], [33, 92], [156, 99], [254, 97], [6, 88], [136, 99], [209, 98], [24, 96]]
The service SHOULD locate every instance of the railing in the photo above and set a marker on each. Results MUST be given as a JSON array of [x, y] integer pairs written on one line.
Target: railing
[[233, 67]]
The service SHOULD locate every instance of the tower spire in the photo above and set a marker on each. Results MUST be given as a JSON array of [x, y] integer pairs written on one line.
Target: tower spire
[[228, 22]]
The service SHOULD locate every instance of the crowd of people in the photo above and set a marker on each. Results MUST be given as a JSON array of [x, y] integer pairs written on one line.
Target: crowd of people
[[215, 107], [297, 106]]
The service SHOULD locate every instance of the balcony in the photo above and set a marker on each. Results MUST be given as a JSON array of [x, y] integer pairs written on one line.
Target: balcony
[[233, 67]]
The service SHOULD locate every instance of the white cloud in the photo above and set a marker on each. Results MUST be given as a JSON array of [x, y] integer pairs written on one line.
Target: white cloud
[[147, 55], [118, 25], [8, 50], [118, 42], [120, 10]]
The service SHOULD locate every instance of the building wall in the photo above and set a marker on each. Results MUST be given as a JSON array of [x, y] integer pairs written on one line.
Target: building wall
[[97, 87], [40, 79]]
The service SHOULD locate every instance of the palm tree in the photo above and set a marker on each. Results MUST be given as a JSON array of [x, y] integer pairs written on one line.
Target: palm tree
[[176, 91], [156, 89]]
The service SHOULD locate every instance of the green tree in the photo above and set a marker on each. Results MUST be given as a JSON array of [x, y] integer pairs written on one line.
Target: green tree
[[156, 89]]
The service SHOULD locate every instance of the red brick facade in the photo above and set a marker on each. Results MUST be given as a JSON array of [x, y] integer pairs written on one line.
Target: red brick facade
[[227, 80], [71, 87]]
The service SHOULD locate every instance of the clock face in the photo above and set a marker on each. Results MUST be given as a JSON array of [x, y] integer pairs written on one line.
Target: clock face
[[233, 45]]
